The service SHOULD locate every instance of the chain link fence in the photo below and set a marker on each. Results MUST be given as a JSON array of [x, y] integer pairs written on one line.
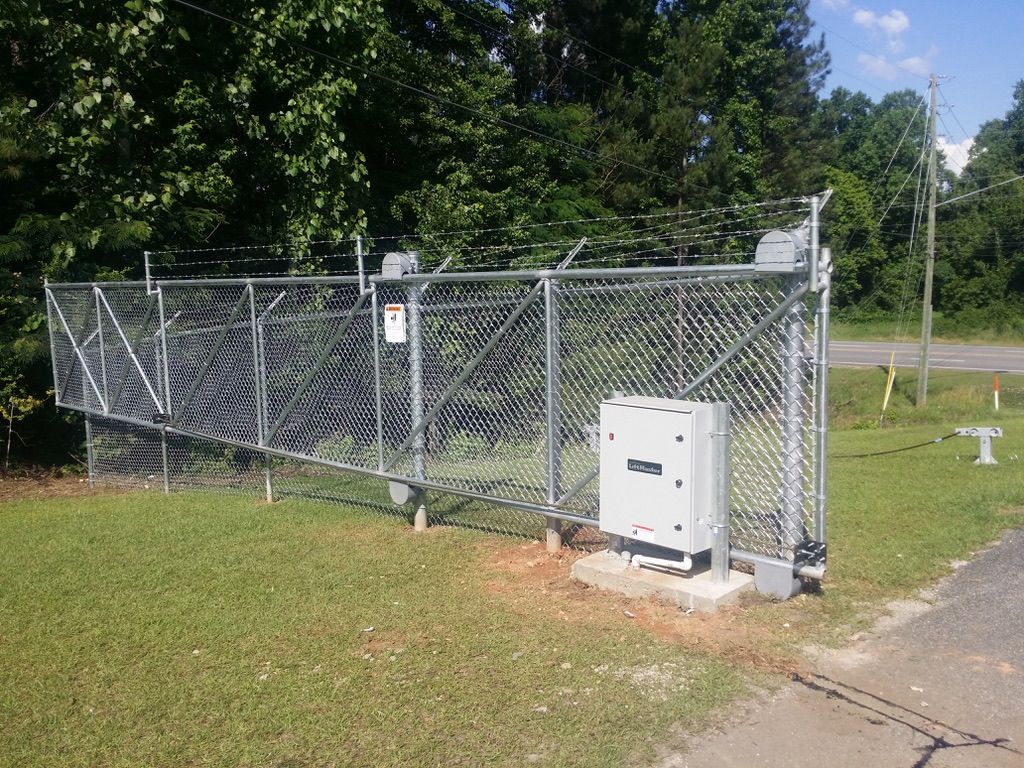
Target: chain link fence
[[288, 386]]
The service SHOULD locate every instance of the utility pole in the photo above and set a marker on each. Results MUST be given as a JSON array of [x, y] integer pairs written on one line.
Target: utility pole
[[929, 269]]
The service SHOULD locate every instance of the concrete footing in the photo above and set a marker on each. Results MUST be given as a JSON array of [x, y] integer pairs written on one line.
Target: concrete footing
[[608, 570], [419, 520]]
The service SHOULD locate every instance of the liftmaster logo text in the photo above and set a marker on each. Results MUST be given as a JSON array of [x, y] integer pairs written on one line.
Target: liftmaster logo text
[[646, 467]]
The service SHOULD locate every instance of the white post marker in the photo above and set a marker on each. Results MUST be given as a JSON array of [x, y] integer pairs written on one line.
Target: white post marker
[[394, 323]]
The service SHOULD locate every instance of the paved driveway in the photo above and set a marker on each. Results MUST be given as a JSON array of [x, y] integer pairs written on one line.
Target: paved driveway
[[940, 356], [941, 686]]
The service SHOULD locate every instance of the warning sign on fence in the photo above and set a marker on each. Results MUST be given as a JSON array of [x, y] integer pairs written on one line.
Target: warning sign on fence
[[394, 323]]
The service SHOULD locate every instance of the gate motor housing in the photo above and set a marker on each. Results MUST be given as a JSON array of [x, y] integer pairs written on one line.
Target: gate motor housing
[[657, 471]]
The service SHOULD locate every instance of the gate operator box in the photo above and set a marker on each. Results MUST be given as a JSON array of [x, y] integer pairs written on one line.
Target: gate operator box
[[656, 471]]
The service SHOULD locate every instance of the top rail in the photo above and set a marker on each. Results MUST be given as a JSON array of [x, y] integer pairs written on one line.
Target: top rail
[[576, 273]]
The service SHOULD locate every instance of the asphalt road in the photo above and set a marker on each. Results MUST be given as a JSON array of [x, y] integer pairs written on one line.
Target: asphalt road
[[954, 357], [940, 684]]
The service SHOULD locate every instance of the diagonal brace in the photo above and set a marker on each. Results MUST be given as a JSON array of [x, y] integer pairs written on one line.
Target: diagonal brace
[[320, 361], [738, 346], [133, 348], [467, 371], [243, 301], [74, 361], [74, 346]]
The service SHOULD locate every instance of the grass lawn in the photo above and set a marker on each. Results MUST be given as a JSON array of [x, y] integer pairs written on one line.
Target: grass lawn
[[196, 630], [943, 332], [139, 629]]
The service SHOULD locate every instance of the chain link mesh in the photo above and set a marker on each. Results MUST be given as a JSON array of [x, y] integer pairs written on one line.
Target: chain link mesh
[[492, 370]]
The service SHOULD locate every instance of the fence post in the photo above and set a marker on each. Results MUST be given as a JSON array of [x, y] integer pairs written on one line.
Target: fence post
[[821, 395], [553, 408], [377, 395], [419, 443], [259, 392], [163, 454], [720, 514], [791, 524], [90, 457], [165, 374]]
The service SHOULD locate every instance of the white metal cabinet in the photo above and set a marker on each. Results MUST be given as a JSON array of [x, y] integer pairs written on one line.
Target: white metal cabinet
[[656, 471]]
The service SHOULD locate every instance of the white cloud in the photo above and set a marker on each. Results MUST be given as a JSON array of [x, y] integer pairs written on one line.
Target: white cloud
[[878, 66], [956, 154], [893, 23], [835, 5], [920, 65]]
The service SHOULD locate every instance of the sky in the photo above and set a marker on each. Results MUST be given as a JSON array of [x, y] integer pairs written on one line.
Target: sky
[[976, 47]]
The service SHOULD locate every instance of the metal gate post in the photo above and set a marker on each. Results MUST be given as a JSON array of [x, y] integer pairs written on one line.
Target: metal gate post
[[377, 395], [414, 295], [163, 454], [821, 397], [720, 513], [791, 532], [259, 394], [164, 373], [553, 407]]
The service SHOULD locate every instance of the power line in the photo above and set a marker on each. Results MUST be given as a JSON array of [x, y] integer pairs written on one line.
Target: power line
[[979, 191], [576, 40], [634, 93], [900, 143], [552, 57], [900, 190], [422, 92], [885, 173], [949, 106]]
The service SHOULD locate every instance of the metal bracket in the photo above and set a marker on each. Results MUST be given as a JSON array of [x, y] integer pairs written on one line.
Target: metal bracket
[[985, 435], [812, 552]]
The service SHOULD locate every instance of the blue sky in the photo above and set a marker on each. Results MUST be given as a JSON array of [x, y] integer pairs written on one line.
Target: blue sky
[[978, 46]]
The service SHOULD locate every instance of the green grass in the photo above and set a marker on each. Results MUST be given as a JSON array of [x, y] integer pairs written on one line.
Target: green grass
[[943, 332], [214, 630], [198, 630], [897, 521], [855, 398]]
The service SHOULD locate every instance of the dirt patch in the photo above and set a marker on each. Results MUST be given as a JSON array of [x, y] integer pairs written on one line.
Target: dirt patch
[[42, 484], [529, 579]]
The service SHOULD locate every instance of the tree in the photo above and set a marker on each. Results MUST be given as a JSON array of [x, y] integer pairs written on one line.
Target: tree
[[144, 124]]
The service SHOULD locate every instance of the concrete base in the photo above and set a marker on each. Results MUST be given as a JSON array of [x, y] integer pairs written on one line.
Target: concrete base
[[608, 570], [777, 580]]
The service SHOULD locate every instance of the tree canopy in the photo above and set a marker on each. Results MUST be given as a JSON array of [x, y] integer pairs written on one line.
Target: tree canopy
[[151, 124]]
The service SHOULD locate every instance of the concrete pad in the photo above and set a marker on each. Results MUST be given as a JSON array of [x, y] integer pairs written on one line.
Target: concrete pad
[[609, 571]]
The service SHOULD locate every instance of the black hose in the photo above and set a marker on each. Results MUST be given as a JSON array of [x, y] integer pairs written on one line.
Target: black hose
[[895, 450]]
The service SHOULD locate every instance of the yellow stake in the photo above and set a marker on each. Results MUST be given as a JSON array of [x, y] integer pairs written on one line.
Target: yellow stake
[[888, 385]]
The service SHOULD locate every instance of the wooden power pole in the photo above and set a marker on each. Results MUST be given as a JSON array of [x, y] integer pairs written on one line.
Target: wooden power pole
[[929, 268]]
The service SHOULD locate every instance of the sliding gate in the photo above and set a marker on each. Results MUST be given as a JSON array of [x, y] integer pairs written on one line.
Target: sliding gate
[[482, 386]]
